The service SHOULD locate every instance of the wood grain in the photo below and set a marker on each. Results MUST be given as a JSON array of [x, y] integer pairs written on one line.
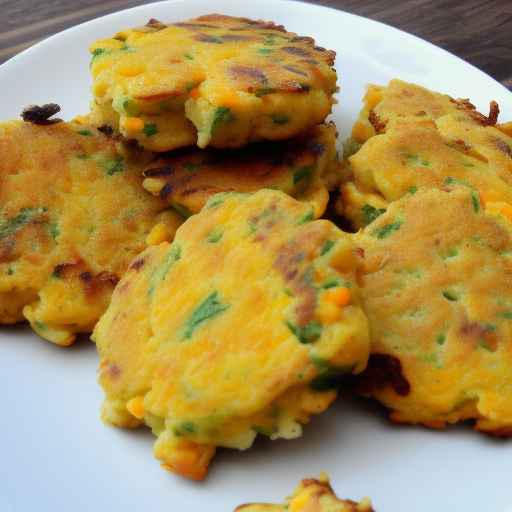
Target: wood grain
[[476, 30]]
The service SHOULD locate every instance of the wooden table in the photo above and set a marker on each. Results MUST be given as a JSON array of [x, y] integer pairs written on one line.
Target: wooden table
[[479, 31]]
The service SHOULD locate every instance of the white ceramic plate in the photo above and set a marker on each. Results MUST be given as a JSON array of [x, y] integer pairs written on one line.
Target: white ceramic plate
[[55, 453]]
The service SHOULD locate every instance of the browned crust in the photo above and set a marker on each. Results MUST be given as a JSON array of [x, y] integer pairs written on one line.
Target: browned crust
[[41, 114], [378, 125], [383, 371], [468, 107]]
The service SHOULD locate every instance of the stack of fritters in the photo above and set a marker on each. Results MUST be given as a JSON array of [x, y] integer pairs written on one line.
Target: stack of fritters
[[430, 181], [245, 323]]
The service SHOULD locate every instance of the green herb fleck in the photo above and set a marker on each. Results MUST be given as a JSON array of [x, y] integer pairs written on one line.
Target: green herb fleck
[[413, 189], [386, 230], [54, 230], [40, 326], [303, 173], [328, 245], [370, 213], [160, 273], [113, 166], [280, 119], [441, 338], [308, 217], [221, 116], [308, 333], [475, 200], [265, 51], [210, 307], [506, 314], [191, 167], [26, 215], [417, 161], [214, 236], [150, 129], [188, 56], [85, 133], [98, 52], [182, 210], [333, 282], [184, 428], [10, 271], [449, 295]]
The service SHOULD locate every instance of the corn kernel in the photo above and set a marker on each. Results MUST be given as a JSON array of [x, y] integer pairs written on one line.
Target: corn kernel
[[158, 234], [338, 296], [152, 185], [133, 124], [135, 406]]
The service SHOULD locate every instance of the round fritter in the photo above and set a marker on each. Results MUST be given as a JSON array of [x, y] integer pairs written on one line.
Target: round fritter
[[303, 167], [65, 238], [437, 289], [400, 101], [213, 80], [410, 156], [311, 495], [242, 325]]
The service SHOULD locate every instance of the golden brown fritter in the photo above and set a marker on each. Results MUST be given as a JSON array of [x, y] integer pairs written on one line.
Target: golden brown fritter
[[73, 214], [304, 167], [437, 289], [243, 325], [311, 495], [214, 80]]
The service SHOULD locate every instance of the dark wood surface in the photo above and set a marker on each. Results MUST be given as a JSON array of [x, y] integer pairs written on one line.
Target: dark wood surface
[[479, 31]]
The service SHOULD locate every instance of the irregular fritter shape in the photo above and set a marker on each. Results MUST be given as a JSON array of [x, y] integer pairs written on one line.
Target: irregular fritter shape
[[214, 80], [303, 167], [437, 289], [73, 215], [421, 139], [311, 495], [241, 326]]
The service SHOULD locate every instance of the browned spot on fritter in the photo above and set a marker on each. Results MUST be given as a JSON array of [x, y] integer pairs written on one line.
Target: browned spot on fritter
[[378, 125], [360, 252], [500, 432], [503, 146], [7, 246], [288, 263], [137, 264], [156, 24], [112, 370], [93, 284], [295, 50], [295, 70], [164, 170], [205, 38], [41, 114], [303, 39], [382, 371], [245, 22], [106, 130], [462, 146], [490, 120], [256, 74], [63, 269], [478, 333], [193, 26]]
